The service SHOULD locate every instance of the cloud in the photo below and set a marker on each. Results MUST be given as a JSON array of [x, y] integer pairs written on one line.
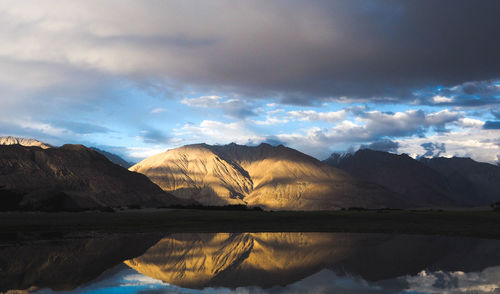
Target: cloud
[[433, 149], [158, 110], [480, 144], [135, 153], [385, 145], [274, 117], [292, 50], [273, 140], [368, 127], [467, 94], [154, 136], [203, 101], [398, 124], [215, 132], [485, 281], [81, 128], [441, 99], [311, 115], [232, 107], [470, 123]]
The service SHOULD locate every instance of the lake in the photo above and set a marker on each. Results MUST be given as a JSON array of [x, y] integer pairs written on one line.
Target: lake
[[252, 263]]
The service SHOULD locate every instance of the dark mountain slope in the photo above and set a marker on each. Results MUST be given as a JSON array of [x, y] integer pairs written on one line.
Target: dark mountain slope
[[421, 185], [113, 158], [72, 177], [478, 181], [425, 182]]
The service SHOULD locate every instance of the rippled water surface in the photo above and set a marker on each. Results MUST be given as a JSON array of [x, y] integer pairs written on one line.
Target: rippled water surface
[[253, 263]]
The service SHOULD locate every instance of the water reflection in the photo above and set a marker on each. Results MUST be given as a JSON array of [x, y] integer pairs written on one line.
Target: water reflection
[[257, 263]]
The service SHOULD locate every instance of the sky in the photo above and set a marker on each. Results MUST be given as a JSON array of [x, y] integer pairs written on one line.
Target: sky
[[136, 78]]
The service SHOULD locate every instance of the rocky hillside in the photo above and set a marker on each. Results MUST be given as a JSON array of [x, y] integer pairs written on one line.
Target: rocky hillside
[[264, 175], [71, 177]]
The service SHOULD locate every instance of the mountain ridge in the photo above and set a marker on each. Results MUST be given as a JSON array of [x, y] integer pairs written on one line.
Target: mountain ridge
[[273, 177], [424, 181], [114, 158]]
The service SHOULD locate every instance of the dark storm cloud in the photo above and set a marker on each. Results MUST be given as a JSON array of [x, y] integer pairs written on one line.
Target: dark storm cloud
[[300, 52], [433, 149], [471, 94], [382, 50], [382, 145]]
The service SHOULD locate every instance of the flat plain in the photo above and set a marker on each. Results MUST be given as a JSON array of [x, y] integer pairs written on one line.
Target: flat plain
[[37, 225]]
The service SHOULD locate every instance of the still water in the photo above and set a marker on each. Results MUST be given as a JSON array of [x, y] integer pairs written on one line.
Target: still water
[[253, 263]]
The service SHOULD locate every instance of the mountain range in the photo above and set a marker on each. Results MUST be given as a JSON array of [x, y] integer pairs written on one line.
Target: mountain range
[[35, 175], [271, 177]]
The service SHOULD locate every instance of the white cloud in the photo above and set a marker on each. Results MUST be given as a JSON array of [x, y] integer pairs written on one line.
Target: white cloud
[[273, 117], [214, 132], [235, 108], [144, 152], [269, 121], [311, 115], [30, 125], [203, 101], [441, 99], [470, 123], [158, 110], [367, 127], [480, 144]]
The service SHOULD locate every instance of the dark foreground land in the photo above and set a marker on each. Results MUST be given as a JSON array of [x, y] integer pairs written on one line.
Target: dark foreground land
[[22, 225]]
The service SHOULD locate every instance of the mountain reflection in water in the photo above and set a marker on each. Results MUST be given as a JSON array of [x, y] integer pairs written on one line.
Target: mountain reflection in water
[[259, 263]]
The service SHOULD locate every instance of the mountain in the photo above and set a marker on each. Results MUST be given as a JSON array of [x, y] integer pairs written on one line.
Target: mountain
[[71, 177], [426, 183], [113, 158], [477, 180], [272, 177], [9, 140]]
